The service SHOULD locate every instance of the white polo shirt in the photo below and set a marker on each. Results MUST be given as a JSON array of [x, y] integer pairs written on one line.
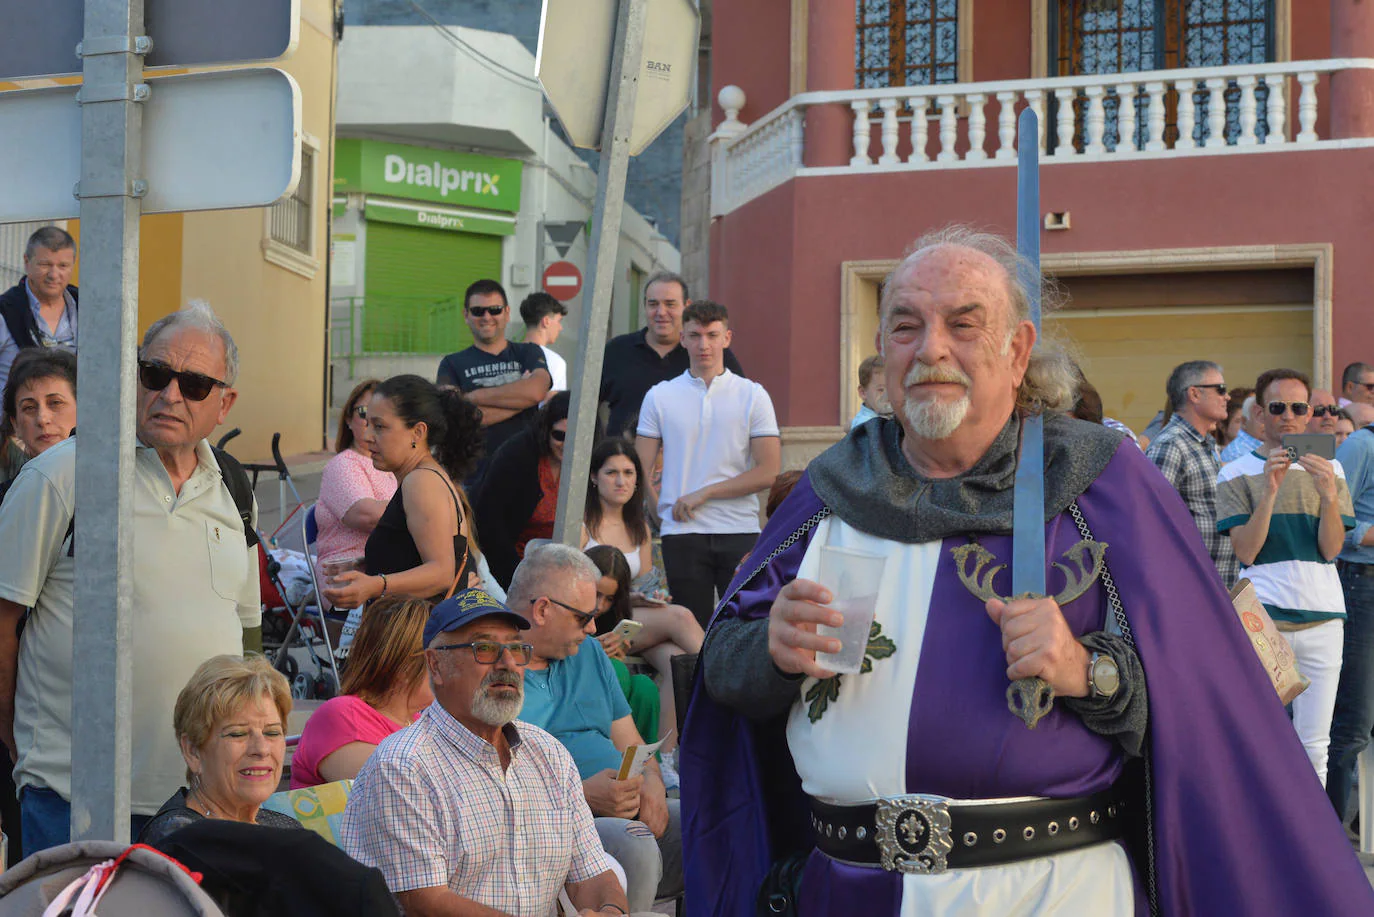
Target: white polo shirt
[[195, 590], [706, 434]]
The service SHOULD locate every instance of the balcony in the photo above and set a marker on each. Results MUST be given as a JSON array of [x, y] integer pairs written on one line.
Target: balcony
[[1164, 113]]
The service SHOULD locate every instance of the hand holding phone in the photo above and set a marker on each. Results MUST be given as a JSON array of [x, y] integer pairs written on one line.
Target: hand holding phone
[[627, 630], [1322, 445]]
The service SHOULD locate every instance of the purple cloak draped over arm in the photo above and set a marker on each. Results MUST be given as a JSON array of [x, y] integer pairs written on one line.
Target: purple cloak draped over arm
[[1241, 824]]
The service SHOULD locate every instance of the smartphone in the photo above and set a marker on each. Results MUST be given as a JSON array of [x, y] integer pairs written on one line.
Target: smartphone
[[1300, 444], [627, 630]]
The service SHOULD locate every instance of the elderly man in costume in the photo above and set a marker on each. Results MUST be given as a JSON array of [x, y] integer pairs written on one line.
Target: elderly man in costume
[[1163, 779]]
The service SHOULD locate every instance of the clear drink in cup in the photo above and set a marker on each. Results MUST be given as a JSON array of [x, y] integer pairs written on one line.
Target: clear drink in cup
[[336, 565], [852, 578]]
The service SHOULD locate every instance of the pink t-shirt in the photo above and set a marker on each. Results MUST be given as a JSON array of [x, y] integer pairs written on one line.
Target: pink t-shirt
[[338, 721], [348, 477]]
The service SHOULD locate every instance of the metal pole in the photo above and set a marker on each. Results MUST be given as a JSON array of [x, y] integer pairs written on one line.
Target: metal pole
[[111, 162], [585, 384]]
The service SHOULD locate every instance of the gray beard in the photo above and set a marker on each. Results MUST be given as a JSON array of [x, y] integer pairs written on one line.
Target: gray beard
[[496, 711], [935, 419]]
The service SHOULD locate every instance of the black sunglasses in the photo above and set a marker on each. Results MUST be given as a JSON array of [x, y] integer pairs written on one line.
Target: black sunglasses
[[488, 652], [194, 386], [479, 311], [1299, 408], [584, 618], [558, 435], [360, 411], [1325, 410], [1218, 387]]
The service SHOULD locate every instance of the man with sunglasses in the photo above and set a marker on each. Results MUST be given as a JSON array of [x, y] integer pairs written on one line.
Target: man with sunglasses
[[1357, 384], [572, 691], [470, 811], [1324, 410], [1186, 452], [507, 380], [194, 577], [1287, 521]]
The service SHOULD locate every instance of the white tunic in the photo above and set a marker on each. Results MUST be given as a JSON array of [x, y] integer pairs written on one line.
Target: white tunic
[[856, 752]]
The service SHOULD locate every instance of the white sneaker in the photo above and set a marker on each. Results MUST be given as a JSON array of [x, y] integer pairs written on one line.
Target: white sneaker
[[667, 766]]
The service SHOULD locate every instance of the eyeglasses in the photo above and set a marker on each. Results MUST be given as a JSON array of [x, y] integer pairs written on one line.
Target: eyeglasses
[[583, 617], [194, 386], [1218, 387], [558, 435], [1299, 408], [1325, 410], [479, 311], [488, 652]]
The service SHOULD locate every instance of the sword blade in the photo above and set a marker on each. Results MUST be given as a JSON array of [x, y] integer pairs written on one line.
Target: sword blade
[[1028, 514]]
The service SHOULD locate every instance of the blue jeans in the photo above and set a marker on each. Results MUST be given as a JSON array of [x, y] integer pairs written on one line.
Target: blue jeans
[[1354, 717], [46, 820]]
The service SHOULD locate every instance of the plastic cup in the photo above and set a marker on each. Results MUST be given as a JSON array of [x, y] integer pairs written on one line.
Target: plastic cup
[[334, 566], [852, 578]]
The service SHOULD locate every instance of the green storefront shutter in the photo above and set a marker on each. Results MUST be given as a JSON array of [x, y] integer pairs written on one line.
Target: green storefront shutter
[[415, 281]]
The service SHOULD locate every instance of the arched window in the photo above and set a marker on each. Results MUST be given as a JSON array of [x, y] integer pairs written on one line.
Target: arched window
[[906, 42]]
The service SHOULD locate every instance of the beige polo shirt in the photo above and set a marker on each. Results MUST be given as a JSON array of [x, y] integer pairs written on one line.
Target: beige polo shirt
[[195, 589]]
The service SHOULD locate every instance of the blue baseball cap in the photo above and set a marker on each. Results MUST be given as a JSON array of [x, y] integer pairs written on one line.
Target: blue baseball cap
[[465, 607]]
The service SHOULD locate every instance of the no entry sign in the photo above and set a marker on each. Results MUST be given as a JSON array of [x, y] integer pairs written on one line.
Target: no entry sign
[[562, 280]]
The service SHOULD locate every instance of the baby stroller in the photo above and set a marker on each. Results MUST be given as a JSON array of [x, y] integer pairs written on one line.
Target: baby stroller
[[287, 623]]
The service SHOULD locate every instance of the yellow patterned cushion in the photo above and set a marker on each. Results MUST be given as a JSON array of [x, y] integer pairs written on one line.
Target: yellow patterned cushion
[[319, 808]]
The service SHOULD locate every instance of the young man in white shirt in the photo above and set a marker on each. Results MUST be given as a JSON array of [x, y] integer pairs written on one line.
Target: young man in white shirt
[[543, 318], [719, 439]]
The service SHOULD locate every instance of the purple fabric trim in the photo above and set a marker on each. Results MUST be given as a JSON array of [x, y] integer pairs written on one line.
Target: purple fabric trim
[[839, 890]]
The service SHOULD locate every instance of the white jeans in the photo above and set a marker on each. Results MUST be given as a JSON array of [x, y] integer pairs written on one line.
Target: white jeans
[[1318, 651]]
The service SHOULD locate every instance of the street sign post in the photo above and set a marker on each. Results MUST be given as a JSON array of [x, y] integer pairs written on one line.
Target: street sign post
[[577, 41], [562, 280], [100, 151], [40, 39], [240, 126]]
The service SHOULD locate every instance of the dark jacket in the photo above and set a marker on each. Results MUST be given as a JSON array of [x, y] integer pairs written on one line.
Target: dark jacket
[[18, 314], [509, 494]]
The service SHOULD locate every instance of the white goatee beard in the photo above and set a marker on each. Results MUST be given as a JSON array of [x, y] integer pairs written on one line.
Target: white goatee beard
[[497, 711], [935, 419]]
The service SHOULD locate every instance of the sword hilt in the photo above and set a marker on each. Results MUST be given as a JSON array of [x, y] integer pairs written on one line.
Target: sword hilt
[[1030, 698]]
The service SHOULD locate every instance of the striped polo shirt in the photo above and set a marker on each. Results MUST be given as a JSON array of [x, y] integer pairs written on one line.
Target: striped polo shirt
[[1292, 579]]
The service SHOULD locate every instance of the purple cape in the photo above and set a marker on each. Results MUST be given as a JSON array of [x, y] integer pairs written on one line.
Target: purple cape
[[1241, 823]]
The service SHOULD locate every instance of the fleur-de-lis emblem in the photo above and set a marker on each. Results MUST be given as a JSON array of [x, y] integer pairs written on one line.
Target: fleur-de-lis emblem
[[819, 696], [913, 830]]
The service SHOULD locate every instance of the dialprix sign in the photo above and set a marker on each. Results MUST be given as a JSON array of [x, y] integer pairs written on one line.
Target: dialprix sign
[[423, 174]]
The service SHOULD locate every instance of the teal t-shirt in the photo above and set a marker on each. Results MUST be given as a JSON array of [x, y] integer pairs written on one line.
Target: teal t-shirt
[[576, 700]]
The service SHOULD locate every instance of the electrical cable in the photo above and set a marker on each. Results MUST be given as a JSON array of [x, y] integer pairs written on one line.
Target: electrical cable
[[495, 66]]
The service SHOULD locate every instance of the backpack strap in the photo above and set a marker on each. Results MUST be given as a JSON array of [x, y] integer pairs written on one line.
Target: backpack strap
[[236, 482], [18, 319]]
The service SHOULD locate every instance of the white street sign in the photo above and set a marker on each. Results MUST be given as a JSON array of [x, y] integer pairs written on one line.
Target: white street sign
[[574, 66], [211, 141]]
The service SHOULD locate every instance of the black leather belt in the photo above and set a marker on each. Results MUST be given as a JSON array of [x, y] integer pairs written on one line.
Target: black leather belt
[[924, 834]]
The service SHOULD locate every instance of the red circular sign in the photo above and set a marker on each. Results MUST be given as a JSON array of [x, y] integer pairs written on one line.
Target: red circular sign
[[562, 280]]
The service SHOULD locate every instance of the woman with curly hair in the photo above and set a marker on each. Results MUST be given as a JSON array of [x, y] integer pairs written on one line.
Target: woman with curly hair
[[428, 437]]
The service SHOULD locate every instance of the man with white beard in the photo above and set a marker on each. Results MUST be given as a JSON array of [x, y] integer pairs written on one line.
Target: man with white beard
[[908, 786], [469, 811]]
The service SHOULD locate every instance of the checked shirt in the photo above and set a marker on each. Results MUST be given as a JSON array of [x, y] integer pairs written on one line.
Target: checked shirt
[[1189, 460], [433, 808]]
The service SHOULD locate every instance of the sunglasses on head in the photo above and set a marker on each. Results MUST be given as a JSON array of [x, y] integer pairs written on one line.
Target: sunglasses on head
[[1325, 410], [558, 435], [1300, 408], [479, 311], [194, 386]]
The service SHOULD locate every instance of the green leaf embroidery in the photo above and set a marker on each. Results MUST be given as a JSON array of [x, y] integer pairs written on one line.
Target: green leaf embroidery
[[825, 690]]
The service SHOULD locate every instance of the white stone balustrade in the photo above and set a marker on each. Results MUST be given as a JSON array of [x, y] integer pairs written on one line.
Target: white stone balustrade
[[1200, 111]]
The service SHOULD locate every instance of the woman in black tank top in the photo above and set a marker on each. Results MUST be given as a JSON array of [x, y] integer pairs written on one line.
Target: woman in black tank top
[[428, 437]]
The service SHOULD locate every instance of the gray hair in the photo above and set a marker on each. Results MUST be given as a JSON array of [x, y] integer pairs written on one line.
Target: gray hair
[[544, 563], [666, 277], [1051, 381], [1353, 372], [53, 238], [1247, 407], [198, 315], [1184, 377]]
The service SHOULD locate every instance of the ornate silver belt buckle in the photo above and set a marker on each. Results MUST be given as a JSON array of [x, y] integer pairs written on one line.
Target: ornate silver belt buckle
[[914, 834]]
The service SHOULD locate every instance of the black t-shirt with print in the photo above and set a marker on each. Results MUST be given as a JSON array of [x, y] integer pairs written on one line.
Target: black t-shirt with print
[[473, 368]]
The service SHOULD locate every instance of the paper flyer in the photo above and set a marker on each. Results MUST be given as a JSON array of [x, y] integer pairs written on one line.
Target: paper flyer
[[632, 765]]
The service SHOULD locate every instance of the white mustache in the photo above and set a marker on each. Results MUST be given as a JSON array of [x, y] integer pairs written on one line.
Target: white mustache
[[920, 373]]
